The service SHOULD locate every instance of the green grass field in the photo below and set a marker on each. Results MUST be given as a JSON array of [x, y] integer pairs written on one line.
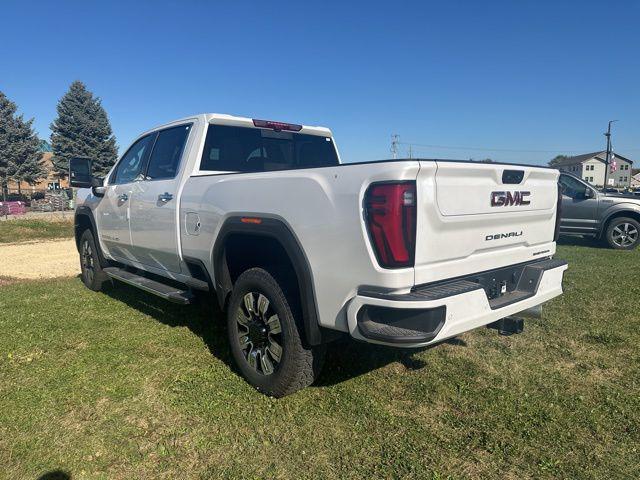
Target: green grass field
[[27, 229], [123, 385]]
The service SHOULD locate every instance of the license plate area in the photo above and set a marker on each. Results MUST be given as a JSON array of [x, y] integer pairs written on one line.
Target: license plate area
[[497, 283]]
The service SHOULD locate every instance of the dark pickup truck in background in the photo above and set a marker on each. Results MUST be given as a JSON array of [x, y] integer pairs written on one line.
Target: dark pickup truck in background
[[611, 217]]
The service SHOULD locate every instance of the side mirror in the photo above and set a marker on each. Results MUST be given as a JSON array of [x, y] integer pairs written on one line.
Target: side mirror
[[80, 172], [588, 193], [80, 176], [97, 186]]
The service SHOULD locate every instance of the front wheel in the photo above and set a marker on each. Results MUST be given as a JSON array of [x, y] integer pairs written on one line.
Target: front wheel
[[623, 233], [91, 270], [265, 335]]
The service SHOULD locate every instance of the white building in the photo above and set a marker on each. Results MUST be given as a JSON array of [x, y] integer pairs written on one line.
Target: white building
[[591, 167]]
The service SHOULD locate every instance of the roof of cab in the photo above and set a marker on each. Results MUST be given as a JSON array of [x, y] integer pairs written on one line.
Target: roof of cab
[[224, 119]]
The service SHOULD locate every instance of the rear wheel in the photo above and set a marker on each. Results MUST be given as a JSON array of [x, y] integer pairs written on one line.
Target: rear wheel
[[265, 335], [91, 270], [623, 233]]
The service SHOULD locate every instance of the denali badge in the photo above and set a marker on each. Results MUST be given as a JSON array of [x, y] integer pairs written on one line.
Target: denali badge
[[498, 236], [506, 199]]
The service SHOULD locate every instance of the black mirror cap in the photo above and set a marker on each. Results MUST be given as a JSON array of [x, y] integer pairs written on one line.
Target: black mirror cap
[[80, 172]]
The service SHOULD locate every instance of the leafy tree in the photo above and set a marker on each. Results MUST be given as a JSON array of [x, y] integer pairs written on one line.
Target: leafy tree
[[82, 129], [555, 161]]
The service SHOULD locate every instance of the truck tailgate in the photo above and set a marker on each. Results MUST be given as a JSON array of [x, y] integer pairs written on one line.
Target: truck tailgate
[[474, 217]]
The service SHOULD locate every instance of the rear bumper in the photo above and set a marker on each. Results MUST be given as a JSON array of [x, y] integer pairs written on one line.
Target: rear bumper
[[433, 313]]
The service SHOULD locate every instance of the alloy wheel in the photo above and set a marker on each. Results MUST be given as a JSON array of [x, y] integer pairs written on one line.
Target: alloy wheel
[[259, 333], [88, 269], [624, 234]]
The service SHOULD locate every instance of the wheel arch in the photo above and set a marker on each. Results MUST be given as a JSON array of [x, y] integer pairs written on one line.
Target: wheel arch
[[83, 220], [619, 212], [278, 232]]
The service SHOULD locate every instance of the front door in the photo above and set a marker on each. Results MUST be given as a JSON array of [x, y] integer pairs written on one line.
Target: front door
[[579, 212], [113, 212], [154, 207]]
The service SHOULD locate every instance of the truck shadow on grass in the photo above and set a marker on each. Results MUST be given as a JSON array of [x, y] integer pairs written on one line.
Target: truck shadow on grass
[[576, 241], [345, 358]]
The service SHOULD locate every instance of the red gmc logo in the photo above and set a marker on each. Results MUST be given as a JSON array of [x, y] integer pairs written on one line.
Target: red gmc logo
[[507, 199]]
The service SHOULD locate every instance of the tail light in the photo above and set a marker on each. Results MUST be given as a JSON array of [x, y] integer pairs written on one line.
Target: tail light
[[390, 212], [556, 233]]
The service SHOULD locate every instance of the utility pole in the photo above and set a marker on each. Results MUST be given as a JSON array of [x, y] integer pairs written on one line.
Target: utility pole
[[410, 151], [395, 139], [608, 156]]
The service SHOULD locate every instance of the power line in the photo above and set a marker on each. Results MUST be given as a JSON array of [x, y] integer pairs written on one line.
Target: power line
[[487, 149]]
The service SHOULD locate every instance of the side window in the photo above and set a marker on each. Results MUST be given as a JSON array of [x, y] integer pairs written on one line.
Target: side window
[[232, 149], [130, 165], [167, 151], [572, 187]]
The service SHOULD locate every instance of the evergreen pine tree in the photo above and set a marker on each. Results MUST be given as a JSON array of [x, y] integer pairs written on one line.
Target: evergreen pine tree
[[82, 129], [27, 165], [9, 150]]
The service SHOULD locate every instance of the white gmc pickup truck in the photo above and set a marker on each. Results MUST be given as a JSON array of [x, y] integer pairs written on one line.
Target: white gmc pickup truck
[[298, 247]]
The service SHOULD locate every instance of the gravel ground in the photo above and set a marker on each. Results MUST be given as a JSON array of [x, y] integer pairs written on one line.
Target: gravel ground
[[50, 259], [52, 216]]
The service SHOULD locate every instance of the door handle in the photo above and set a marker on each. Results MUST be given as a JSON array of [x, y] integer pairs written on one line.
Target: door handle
[[123, 198], [165, 197]]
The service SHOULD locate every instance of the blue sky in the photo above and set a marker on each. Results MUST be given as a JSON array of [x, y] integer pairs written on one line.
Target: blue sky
[[512, 75]]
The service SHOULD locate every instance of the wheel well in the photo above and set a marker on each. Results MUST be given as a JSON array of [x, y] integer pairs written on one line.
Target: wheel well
[[625, 213], [244, 251], [82, 223], [271, 245]]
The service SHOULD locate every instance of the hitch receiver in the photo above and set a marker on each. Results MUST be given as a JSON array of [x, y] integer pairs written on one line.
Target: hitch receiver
[[508, 325]]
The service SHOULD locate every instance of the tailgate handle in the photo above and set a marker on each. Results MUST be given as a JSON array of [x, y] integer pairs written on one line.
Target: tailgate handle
[[512, 177]]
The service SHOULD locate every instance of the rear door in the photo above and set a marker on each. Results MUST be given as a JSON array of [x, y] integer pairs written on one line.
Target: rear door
[[479, 216], [154, 219]]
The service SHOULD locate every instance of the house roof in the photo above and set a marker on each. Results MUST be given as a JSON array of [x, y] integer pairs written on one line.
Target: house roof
[[588, 156]]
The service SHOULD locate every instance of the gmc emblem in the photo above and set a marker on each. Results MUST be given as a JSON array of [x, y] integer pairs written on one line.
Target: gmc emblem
[[506, 199]]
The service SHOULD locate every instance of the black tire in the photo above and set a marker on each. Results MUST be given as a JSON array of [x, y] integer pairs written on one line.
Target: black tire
[[623, 233], [252, 335], [92, 274]]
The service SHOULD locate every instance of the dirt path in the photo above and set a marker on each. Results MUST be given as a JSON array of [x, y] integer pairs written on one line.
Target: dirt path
[[54, 258]]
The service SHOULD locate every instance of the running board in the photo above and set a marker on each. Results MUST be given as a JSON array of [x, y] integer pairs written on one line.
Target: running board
[[168, 292]]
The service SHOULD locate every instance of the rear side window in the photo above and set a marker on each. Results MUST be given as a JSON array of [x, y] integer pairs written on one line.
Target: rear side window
[[167, 151], [240, 149]]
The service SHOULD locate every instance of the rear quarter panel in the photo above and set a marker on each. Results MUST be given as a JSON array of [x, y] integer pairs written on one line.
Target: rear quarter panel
[[323, 209]]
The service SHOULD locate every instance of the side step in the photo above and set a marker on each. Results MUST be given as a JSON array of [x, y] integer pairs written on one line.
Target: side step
[[168, 292]]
